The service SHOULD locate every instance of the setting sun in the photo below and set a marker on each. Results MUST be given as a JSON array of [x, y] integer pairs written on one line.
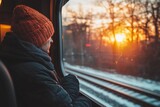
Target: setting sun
[[120, 37]]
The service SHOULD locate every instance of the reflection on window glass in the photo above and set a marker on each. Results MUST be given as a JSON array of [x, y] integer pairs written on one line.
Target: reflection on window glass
[[114, 36]]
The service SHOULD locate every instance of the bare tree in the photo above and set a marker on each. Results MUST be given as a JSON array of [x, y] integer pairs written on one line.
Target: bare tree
[[152, 18], [156, 17], [146, 17], [132, 16]]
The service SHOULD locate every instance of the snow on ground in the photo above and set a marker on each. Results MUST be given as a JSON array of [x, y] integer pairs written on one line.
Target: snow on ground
[[131, 80]]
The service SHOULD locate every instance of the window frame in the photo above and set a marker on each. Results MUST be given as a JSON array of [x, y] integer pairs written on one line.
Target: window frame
[[57, 47]]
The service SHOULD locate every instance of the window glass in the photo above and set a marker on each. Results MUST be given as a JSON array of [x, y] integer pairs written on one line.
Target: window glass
[[3, 29], [118, 37]]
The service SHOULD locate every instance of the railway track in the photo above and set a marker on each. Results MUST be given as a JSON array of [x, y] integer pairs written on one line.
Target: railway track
[[141, 97]]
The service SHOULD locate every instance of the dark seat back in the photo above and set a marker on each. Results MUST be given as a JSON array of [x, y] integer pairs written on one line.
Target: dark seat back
[[7, 93]]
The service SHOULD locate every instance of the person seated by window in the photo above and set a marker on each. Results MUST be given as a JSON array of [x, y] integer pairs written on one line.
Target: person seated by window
[[25, 52]]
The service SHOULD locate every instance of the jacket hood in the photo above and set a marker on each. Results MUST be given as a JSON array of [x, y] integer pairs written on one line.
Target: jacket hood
[[13, 51]]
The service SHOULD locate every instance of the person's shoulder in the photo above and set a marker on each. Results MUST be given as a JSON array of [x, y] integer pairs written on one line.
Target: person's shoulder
[[32, 67]]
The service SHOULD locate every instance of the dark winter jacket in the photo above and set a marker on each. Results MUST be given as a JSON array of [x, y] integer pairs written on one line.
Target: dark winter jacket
[[34, 78]]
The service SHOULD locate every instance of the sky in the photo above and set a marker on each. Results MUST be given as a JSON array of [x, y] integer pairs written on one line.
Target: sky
[[87, 4], [81, 1]]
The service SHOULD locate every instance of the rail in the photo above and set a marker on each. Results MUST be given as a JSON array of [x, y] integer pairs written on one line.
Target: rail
[[140, 97]]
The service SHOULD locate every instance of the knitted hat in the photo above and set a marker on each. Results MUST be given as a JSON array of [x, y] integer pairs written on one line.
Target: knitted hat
[[31, 26]]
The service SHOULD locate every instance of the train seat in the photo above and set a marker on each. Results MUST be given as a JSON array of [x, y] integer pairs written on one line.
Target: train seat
[[7, 93]]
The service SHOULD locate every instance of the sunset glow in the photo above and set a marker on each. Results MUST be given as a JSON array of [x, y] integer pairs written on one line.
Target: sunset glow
[[120, 37]]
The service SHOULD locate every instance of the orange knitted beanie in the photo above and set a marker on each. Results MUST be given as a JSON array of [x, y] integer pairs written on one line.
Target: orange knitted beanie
[[31, 26]]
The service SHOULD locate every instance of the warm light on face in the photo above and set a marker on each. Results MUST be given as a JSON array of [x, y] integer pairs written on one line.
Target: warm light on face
[[120, 37]]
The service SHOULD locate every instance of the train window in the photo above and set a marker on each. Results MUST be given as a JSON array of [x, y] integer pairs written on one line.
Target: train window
[[113, 47], [3, 29]]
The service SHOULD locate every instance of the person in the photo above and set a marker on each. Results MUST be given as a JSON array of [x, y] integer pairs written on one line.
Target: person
[[24, 51]]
